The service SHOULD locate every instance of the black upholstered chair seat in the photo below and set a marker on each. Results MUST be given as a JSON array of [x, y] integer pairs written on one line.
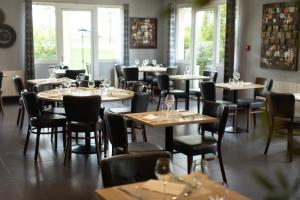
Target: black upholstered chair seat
[[195, 91], [84, 127], [195, 144], [49, 120], [175, 92], [120, 110], [232, 106], [251, 103], [139, 147], [55, 110]]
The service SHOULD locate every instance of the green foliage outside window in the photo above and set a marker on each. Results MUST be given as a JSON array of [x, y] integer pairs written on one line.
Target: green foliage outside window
[[44, 44]]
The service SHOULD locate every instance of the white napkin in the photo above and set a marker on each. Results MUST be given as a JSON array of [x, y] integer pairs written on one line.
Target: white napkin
[[150, 117], [157, 186]]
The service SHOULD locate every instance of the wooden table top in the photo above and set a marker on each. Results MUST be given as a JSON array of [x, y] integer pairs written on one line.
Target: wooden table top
[[46, 81], [189, 77], [239, 86], [164, 119], [152, 69], [112, 94], [207, 189]]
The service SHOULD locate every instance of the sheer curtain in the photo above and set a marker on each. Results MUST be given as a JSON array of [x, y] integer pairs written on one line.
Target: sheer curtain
[[171, 35], [29, 50], [126, 35]]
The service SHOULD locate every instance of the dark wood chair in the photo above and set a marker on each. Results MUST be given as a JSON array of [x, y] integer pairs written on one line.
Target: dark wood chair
[[19, 87], [165, 89], [116, 127], [196, 144], [39, 120], [140, 167], [257, 103], [131, 76], [208, 90], [280, 110], [71, 74], [82, 114], [120, 76]]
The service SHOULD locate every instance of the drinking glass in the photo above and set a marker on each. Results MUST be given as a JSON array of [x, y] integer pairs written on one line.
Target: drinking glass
[[169, 101], [79, 78], [144, 62], [196, 168], [51, 72], [236, 76], [220, 192], [163, 171], [91, 84], [137, 62], [187, 70], [154, 62]]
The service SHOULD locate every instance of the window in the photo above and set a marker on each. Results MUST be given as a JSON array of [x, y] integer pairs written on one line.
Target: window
[[44, 32], [206, 27], [109, 33], [184, 34]]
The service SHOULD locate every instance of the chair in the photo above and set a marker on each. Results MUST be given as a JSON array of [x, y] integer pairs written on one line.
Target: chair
[[197, 92], [164, 87], [256, 105], [39, 120], [71, 74], [1, 93], [280, 109], [82, 116], [120, 76], [116, 127], [139, 103], [19, 87], [131, 76], [196, 144], [208, 90], [85, 83], [140, 167]]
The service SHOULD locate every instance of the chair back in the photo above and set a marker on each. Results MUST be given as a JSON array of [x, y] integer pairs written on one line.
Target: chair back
[[31, 104], [1, 79], [131, 73], [163, 81], [172, 70], [139, 87], [43, 87], [117, 131], [140, 102], [262, 92], [280, 105], [212, 74], [18, 83], [140, 167], [208, 90], [119, 71], [83, 109], [220, 112], [85, 83], [70, 73]]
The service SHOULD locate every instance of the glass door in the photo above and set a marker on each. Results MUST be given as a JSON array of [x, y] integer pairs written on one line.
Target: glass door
[[77, 39]]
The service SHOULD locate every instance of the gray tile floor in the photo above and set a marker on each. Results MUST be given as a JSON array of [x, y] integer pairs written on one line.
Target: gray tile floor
[[21, 178]]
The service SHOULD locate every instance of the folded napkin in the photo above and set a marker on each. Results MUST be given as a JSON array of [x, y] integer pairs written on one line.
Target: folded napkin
[[150, 117], [157, 186], [247, 83], [187, 113]]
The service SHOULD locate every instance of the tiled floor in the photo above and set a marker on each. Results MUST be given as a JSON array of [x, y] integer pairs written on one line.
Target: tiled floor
[[21, 178]]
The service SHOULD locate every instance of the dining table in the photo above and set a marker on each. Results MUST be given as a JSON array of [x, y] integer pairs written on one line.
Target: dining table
[[147, 69], [169, 119], [183, 187], [187, 78], [42, 81], [107, 95]]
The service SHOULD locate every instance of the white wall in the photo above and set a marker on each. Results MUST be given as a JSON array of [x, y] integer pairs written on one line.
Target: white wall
[[248, 62]]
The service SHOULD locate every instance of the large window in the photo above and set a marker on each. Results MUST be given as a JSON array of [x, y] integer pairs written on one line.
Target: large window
[[44, 32], [201, 36], [77, 35]]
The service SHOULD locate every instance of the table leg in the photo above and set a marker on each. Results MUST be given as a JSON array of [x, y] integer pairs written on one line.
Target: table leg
[[87, 148], [145, 76], [187, 91], [169, 139]]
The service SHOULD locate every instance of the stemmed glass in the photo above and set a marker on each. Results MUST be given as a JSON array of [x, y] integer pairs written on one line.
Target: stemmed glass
[[91, 84], [163, 171], [154, 62], [187, 70], [137, 62], [236, 76], [197, 167], [51, 72], [169, 101]]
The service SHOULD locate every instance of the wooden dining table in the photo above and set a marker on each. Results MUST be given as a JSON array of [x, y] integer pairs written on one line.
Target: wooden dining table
[[147, 69], [169, 119], [206, 189], [187, 78], [42, 81]]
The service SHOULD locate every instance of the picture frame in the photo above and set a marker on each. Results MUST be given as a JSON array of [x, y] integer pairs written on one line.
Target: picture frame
[[143, 33]]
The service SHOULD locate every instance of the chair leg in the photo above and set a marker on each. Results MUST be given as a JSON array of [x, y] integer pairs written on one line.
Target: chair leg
[[269, 140], [290, 146], [37, 144], [22, 117], [98, 148], [55, 138], [254, 120], [1, 106], [158, 104], [144, 133], [198, 104], [19, 115], [248, 119], [234, 121], [27, 139], [133, 133], [176, 102], [68, 150], [222, 166], [189, 163]]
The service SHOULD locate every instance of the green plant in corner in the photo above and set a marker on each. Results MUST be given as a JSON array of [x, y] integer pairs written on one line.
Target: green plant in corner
[[280, 189]]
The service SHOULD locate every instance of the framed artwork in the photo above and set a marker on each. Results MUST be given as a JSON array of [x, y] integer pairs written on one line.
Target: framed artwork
[[279, 36], [143, 33]]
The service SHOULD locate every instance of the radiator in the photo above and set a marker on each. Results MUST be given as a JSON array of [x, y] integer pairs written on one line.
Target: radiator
[[7, 84], [288, 87]]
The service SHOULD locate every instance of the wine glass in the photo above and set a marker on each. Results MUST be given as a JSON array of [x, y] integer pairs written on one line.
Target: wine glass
[[187, 70], [236, 76], [144, 62], [197, 168], [79, 78], [163, 171], [169, 101], [51, 72], [154, 62], [91, 84], [137, 62]]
